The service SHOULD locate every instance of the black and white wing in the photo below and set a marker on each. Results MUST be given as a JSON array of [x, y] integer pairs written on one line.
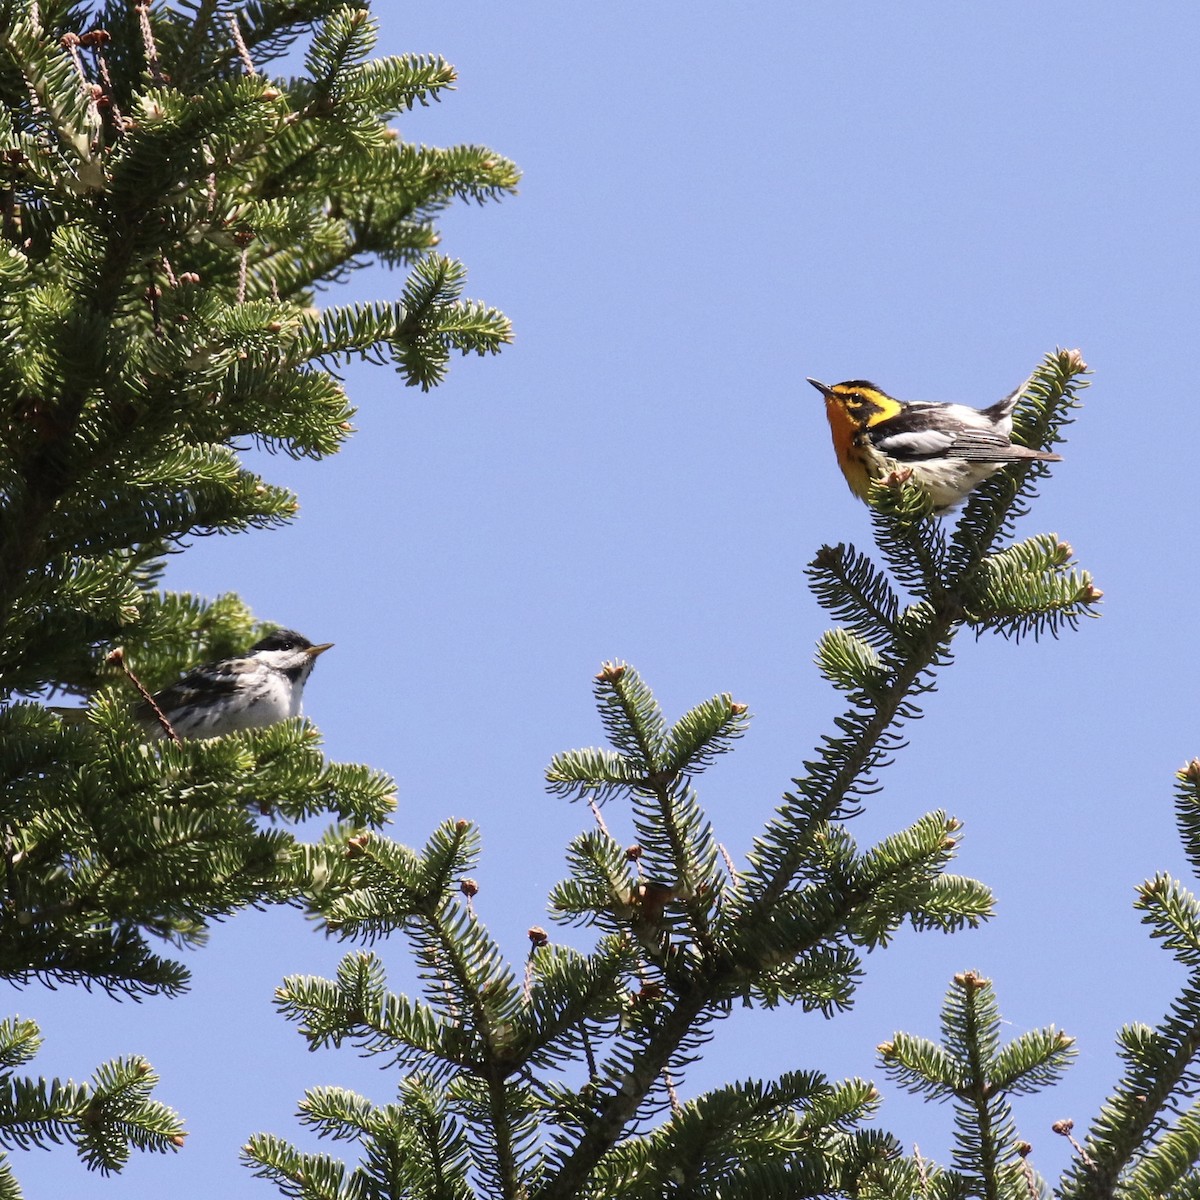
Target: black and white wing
[[198, 687], [925, 432]]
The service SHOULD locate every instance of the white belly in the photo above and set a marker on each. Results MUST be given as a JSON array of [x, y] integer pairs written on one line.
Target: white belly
[[273, 698]]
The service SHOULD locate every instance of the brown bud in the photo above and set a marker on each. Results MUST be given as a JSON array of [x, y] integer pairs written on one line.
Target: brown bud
[[270, 94], [115, 657], [610, 672], [647, 993], [1153, 887], [737, 709], [633, 853], [654, 897], [1063, 1128], [1024, 1149], [469, 887], [538, 936]]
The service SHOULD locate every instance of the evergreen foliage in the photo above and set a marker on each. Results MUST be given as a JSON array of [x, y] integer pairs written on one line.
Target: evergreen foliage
[[563, 1083], [978, 1076], [168, 211], [1145, 1142], [103, 1120]]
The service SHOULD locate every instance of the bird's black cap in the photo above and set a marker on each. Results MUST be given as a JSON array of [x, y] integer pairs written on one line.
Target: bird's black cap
[[282, 639]]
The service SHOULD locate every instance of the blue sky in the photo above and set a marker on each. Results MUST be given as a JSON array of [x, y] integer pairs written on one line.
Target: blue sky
[[718, 201]]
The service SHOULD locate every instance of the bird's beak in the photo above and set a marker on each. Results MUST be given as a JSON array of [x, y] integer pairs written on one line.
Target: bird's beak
[[313, 651], [825, 391]]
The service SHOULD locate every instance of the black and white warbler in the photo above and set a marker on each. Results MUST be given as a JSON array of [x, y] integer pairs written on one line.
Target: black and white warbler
[[259, 689], [948, 448]]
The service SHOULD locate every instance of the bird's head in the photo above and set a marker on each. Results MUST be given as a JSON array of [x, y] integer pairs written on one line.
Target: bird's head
[[860, 400], [289, 652]]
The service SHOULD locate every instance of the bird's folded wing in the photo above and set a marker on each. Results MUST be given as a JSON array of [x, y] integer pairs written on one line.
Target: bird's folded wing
[[204, 683]]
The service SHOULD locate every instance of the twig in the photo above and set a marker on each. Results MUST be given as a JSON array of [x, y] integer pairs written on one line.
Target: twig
[[599, 819], [1063, 1129], [143, 11], [538, 937], [241, 292], [676, 1107], [1024, 1149], [240, 43], [117, 658], [922, 1170], [733, 873], [98, 39]]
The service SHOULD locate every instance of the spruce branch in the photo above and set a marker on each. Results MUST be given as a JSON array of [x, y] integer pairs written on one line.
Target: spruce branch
[[1133, 1140], [849, 585], [977, 1075], [104, 1120]]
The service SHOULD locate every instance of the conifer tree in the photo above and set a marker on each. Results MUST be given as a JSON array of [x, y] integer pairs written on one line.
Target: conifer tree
[[168, 209], [561, 1080]]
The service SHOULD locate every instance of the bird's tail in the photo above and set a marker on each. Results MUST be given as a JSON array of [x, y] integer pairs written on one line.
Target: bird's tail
[[1003, 408]]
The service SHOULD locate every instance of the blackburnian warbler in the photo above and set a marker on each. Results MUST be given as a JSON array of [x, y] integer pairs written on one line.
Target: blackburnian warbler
[[947, 448]]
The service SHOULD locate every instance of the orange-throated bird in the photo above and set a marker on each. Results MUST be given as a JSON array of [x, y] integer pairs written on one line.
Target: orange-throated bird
[[949, 448]]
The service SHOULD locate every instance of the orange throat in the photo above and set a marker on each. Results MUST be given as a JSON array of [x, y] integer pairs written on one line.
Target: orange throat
[[851, 457]]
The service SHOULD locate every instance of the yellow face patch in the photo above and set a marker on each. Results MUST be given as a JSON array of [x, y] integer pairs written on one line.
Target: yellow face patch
[[865, 406]]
